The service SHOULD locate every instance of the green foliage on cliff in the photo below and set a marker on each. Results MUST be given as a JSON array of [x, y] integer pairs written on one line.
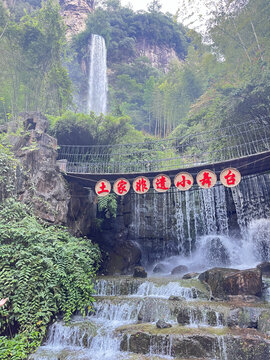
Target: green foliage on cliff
[[107, 205], [236, 88], [32, 76], [44, 272], [8, 166], [82, 129], [123, 29], [134, 81]]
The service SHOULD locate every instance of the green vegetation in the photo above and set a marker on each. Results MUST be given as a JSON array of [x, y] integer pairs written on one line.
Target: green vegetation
[[8, 173], [44, 272], [81, 129], [236, 88], [32, 76], [108, 205], [136, 87], [122, 29]]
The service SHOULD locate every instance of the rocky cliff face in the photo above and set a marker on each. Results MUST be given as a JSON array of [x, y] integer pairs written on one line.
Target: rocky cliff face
[[159, 56], [39, 181], [74, 13]]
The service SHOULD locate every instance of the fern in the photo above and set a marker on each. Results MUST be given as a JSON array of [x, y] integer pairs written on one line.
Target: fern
[[44, 272], [108, 205]]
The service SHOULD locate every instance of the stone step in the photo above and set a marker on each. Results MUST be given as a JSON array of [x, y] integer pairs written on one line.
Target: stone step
[[79, 354], [193, 343], [153, 309], [154, 287], [192, 313]]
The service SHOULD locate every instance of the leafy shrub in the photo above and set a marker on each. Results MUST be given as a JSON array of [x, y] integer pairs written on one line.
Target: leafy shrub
[[8, 173], [108, 205], [44, 272], [81, 129]]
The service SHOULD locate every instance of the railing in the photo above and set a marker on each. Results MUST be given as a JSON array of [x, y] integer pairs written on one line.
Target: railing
[[234, 141]]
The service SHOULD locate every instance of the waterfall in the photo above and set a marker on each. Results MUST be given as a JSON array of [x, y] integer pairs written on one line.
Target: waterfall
[[97, 82], [218, 226], [195, 229]]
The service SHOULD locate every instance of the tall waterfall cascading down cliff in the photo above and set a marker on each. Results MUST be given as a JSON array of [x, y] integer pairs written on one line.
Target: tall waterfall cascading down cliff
[[97, 80]]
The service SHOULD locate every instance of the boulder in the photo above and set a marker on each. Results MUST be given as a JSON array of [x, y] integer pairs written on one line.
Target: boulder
[[183, 317], [123, 257], [139, 272], [265, 268], [159, 268], [180, 269], [161, 324], [224, 282], [250, 347], [138, 343], [194, 346], [246, 317], [190, 275]]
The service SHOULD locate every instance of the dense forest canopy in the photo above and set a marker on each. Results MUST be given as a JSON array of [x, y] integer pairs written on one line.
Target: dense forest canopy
[[31, 61], [208, 84], [122, 28], [226, 80]]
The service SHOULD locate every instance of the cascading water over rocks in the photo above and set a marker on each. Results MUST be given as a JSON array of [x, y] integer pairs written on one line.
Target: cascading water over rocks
[[211, 227]]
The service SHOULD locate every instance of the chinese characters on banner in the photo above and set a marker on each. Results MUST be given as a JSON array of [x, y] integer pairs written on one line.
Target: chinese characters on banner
[[183, 181], [206, 179], [141, 185], [103, 187], [121, 186], [230, 177], [162, 183]]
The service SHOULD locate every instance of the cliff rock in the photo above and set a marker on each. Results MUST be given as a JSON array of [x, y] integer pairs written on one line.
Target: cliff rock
[[75, 13], [39, 182], [159, 56]]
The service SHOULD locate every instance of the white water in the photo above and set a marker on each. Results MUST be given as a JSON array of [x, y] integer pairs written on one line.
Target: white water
[[197, 234], [150, 289], [97, 81], [225, 251], [95, 338], [204, 228]]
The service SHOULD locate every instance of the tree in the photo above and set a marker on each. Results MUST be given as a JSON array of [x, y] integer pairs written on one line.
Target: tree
[[154, 6], [31, 54]]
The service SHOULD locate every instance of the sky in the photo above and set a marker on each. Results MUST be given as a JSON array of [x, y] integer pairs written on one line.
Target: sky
[[167, 5]]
